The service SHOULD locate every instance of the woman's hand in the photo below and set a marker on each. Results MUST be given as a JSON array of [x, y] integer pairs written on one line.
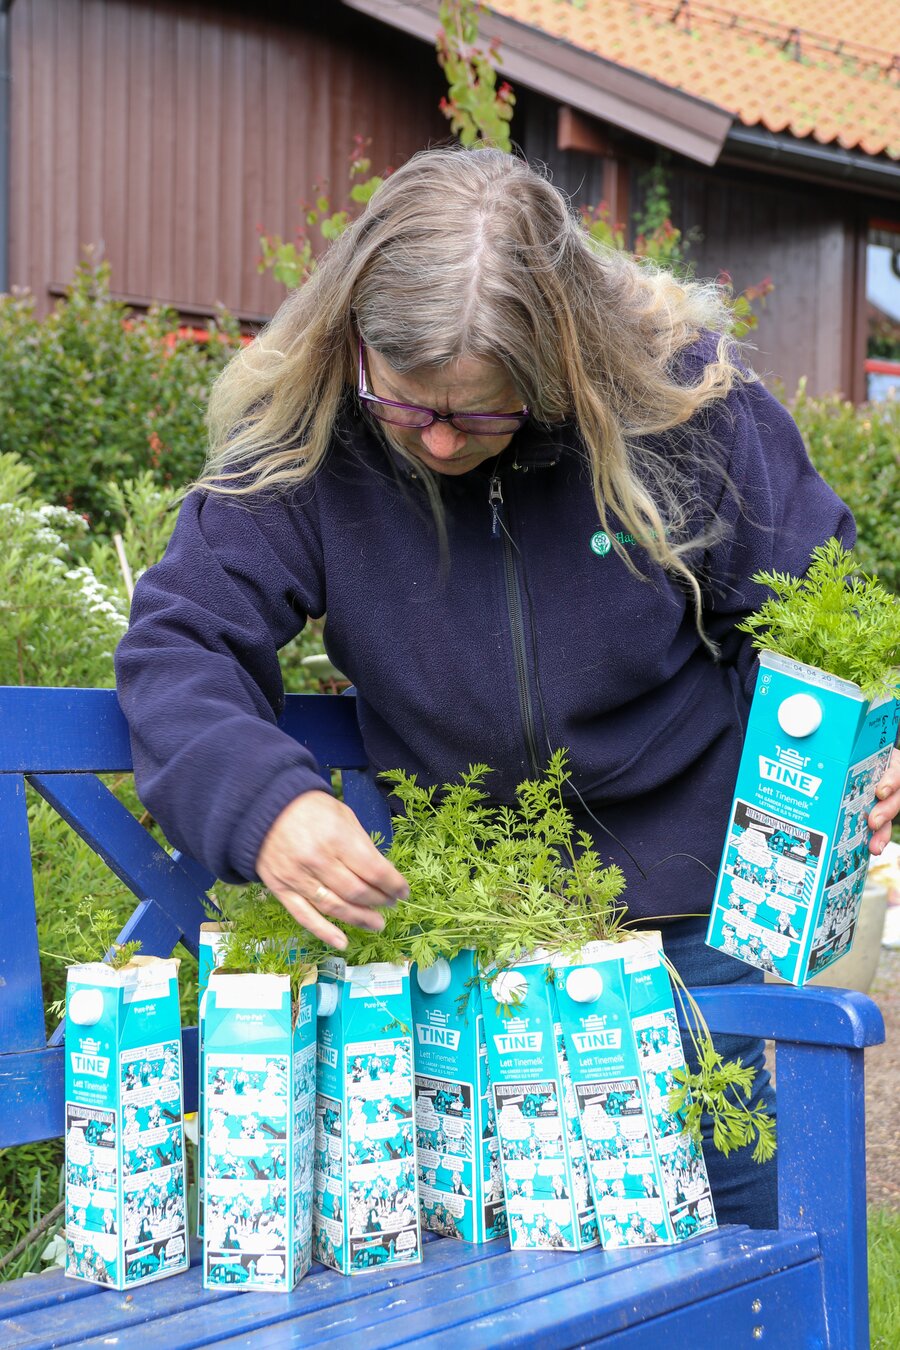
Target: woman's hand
[[320, 863], [883, 813]]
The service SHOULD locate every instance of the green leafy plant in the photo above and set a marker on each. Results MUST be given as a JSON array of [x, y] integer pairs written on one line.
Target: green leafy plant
[[261, 938], [293, 261], [146, 511], [502, 880], [478, 109], [31, 1184], [835, 618], [506, 882], [94, 393], [857, 451], [91, 935], [720, 1089], [59, 622]]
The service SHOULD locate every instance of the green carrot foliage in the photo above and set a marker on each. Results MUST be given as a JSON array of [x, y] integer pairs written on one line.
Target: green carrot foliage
[[504, 881], [836, 618], [261, 938]]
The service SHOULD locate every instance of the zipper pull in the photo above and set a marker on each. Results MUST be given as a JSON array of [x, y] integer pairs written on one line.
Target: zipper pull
[[495, 497]]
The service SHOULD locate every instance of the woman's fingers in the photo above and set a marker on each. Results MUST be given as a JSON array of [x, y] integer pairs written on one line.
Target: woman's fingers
[[887, 807], [370, 867], [308, 917], [319, 861]]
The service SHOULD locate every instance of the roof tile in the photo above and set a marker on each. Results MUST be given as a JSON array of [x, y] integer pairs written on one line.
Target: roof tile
[[818, 67]]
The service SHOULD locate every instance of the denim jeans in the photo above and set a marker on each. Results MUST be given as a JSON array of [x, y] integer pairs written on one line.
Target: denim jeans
[[743, 1191]]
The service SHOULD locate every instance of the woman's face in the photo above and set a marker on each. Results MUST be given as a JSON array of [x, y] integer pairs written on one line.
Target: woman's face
[[465, 385]]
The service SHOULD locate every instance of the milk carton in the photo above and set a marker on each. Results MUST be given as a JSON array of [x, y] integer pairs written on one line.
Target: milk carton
[[647, 1177], [796, 856], [460, 1182], [548, 1201], [212, 939], [366, 1210], [125, 1179], [258, 1121]]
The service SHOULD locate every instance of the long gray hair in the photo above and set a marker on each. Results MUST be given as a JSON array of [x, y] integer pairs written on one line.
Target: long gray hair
[[472, 253]]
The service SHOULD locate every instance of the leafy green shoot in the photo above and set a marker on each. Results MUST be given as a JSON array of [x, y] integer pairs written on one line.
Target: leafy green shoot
[[261, 938], [836, 618], [718, 1088], [92, 937], [502, 880]]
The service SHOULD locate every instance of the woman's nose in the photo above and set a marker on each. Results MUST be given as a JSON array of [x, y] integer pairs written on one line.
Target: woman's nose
[[442, 440]]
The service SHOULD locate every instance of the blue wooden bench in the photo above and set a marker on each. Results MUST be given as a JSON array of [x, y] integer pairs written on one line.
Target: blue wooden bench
[[803, 1285]]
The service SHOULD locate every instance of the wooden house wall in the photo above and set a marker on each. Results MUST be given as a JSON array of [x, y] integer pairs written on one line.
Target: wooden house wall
[[162, 133], [811, 241]]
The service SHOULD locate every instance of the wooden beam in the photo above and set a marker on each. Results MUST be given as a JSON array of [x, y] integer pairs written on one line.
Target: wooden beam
[[617, 191], [854, 318], [575, 131]]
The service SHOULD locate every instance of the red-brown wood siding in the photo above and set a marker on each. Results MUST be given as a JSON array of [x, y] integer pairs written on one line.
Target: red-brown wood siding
[[749, 224], [806, 239], [163, 134]]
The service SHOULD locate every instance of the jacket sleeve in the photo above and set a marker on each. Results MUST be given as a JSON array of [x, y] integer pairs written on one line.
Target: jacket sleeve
[[773, 509], [199, 681]]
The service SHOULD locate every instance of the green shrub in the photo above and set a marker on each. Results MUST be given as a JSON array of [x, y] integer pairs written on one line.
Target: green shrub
[[63, 607], [59, 622], [92, 394], [857, 451]]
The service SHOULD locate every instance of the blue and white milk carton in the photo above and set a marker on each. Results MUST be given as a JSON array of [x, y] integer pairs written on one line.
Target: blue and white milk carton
[[366, 1210], [259, 1057], [548, 1200], [212, 939], [125, 1179], [796, 856], [460, 1181], [648, 1178]]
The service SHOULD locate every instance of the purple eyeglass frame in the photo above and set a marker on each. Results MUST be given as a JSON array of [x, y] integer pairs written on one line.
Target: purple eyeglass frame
[[520, 417]]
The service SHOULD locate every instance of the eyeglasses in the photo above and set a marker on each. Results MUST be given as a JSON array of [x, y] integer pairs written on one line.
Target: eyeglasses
[[411, 415]]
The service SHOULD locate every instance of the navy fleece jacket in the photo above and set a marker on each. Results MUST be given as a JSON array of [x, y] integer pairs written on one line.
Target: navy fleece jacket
[[529, 636]]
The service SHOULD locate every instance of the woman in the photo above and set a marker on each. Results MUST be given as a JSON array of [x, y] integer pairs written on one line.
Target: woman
[[529, 481]]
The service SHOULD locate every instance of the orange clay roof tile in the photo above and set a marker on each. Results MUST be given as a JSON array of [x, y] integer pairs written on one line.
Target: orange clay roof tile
[[830, 68]]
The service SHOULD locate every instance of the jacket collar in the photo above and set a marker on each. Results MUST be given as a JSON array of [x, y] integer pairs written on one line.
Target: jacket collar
[[533, 447]]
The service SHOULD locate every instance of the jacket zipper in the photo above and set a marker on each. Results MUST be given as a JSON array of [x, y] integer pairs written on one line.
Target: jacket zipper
[[516, 621]]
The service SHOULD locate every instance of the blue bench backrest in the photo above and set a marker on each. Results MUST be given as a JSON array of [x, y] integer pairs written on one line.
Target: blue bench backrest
[[58, 740]]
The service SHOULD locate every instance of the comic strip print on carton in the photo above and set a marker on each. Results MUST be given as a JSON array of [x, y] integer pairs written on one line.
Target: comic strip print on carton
[[366, 1209], [212, 939], [542, 1156], [616, 1009], [796, 856], [259, 1065], [124, 1169], [460, 1183]]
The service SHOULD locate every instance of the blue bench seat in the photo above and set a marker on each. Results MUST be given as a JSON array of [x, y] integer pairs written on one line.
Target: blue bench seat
[[761, 1286]]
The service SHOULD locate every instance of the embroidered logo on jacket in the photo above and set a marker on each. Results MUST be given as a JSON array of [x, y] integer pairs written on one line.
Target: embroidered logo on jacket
[[601, 542]]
